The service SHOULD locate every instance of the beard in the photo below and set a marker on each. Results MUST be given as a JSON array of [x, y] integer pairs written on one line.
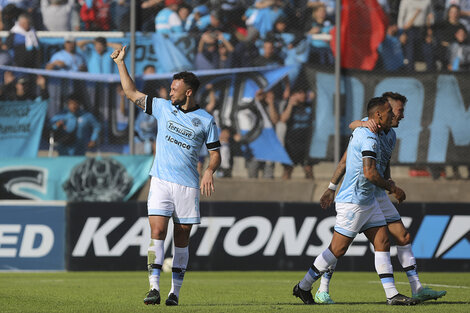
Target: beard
[[179, 102]]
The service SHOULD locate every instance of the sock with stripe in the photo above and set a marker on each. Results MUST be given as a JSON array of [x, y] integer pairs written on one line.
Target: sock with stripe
[[180, 262], [384, 268], [325, 279], [408, 262], [320, 266], [155, 256]]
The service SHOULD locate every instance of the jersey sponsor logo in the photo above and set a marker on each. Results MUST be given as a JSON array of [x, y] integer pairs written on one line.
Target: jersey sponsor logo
[[178, 143], [180, 129]]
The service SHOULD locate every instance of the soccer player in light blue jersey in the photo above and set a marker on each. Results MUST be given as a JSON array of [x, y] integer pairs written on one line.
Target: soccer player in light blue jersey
[[357, 209], [394, 223], [183, 128]]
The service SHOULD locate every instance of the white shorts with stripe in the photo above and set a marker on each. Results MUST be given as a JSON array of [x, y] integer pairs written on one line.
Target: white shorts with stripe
[[173, 200], [352, 218], [388, 209]]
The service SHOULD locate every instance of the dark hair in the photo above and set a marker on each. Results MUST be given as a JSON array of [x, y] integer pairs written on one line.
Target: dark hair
[[101, 40], [395, 96], [75, 97], [189, 79], [374, 103]]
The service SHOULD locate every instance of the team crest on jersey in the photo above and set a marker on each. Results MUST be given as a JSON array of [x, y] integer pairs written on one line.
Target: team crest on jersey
[[196, 122]]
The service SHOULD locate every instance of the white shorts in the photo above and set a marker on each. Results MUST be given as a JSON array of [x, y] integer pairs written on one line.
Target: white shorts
[[173, 200], [388, 209], [352, 218]]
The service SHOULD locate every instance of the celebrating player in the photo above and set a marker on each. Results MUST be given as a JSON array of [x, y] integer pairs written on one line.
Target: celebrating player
[[358, 211], [183, 128], [395, 225]]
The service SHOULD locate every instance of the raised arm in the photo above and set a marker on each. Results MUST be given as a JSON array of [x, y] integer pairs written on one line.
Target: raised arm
[[128, 85]]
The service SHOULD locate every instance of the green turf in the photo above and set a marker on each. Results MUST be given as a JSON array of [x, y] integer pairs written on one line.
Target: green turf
[[216, 292]]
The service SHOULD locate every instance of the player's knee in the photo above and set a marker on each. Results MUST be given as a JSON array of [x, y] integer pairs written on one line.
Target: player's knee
[[404, 239], [382, 243], [158, 234]]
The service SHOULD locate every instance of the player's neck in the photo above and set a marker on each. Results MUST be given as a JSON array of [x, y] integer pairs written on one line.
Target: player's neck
[[189, 105]]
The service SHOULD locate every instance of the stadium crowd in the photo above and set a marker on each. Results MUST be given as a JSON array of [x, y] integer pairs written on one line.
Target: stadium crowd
[[424, 35]]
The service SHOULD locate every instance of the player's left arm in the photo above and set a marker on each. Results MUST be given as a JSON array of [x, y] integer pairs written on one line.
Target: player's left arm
[[207, 181], [371, 124]]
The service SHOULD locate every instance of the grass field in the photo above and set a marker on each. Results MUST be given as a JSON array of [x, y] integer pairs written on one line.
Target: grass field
[[217, 292]]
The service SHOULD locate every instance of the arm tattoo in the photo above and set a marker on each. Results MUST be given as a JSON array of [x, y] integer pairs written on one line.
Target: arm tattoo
[[140, 103]]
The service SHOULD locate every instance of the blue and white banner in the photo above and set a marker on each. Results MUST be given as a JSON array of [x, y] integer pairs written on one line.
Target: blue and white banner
[[32, 235], [114, 178], [437, 115], [21, 124]]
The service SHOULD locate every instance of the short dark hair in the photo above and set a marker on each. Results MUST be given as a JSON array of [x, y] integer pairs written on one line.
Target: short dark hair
[[375, 103], [101, 40], [189, 79], [395, 96]]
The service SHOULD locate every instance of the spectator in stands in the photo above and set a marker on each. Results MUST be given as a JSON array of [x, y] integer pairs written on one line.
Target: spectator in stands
[[24, 43], [192, 21], [8, 87], [330, 6], [229, 145], [60, 15], [214, 51], [5, 57], [10, 14], [264, 15], [120, 15], [148, 10], [269, 57], [209, 22], [298, 115], [183, 12], [95, 15], [254, 167], [97, 54], [459, 52], [415, 18], [145, 126], [167, 20], [464, 6], [23, 88], [391, 49], [320, 51], [446, 34], [75, 130], [67, 59]]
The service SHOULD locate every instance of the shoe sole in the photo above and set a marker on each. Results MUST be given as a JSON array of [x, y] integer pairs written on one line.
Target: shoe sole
[[151, 302]]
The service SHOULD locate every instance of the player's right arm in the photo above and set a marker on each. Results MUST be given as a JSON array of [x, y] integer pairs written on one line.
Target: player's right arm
[[371, 173], [328, 196], [128, 85]]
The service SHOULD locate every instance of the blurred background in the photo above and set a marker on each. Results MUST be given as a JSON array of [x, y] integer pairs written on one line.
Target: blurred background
[[281, 92]]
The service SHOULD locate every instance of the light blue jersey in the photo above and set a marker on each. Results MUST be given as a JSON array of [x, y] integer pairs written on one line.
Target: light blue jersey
[[180, 136], [387, 143], [356, 188]]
